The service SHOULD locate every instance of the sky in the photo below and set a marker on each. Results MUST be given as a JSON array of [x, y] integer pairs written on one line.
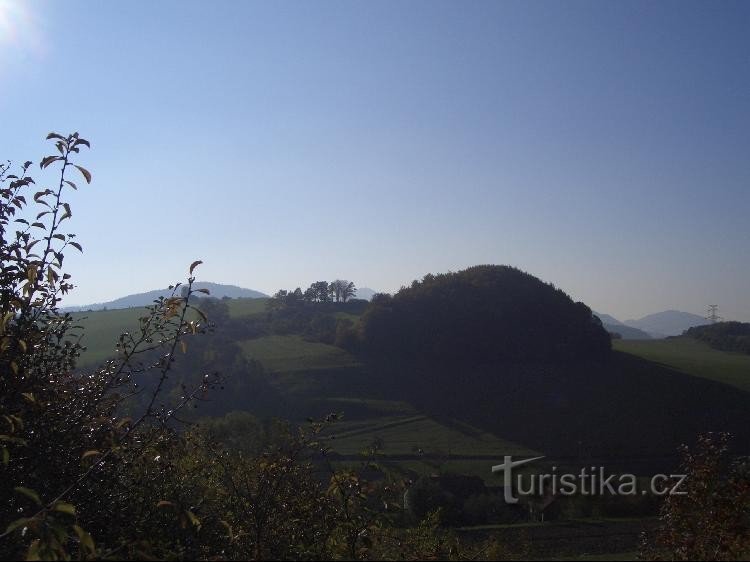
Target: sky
[[601, 146]]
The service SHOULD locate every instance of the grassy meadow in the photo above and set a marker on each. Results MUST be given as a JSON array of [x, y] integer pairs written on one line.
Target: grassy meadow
[[693, 357], [103, 327], [285, 354]]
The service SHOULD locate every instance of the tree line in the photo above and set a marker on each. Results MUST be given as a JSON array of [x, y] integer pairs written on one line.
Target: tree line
[[338, 290], [725, 336]]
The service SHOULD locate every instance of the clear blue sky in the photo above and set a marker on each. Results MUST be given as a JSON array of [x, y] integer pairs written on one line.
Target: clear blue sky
[[602, 146]]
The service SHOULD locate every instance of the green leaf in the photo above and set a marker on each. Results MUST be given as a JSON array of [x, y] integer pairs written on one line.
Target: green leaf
[[85, 172], [194, 265], [17, 524], [33, 551], [47, 160], [85, 539], [193, 519], [63, 507], [29, 493], [67, 213], [228, 527]]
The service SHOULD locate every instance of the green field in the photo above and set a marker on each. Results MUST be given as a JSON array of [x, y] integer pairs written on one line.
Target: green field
[[286, 354], [415, 435], [421, 445], [304, 369], [694, 358], [246, 307], [103, 327]]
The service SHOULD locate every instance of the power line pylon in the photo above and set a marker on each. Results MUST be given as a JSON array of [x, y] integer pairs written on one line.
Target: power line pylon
[[713, 313]]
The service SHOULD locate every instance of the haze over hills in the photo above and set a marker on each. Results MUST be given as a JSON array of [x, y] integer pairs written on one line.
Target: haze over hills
[[365, 293], [667, 323], [614, 326], [607, 319], [217, 290], [657, 325]]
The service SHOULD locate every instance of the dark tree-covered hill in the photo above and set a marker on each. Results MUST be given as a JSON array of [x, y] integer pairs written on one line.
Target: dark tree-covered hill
[[726, 336], [483, 313]]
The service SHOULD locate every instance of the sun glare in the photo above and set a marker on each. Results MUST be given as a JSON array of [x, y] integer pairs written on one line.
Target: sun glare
[[19, 30]]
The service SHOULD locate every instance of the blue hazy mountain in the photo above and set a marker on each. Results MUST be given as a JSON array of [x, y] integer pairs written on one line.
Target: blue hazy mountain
[[614, 326], [667, 323], [365, 293], [217, 290]]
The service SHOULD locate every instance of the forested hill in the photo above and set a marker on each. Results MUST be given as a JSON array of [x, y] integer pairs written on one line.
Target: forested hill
[[726, 336], [484, 313]]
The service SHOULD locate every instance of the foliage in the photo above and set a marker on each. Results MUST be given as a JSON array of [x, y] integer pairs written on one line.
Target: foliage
[[725, 336], [342, 290], [339, 290], [711, 520], [313, 314], [64, 446], [482, 313]]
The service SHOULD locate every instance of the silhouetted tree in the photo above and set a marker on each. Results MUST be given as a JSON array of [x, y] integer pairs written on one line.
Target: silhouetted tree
[[319, 292], [342, 290]]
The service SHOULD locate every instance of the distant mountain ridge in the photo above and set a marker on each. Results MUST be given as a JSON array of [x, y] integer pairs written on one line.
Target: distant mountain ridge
[[658, 325], [667, 323], [365, 293], [614, 326], [607, 319], [217, 290]]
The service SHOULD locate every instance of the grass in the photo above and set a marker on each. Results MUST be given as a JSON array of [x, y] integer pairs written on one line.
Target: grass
[[408, 435], [693, 357], [354, 318], [304, 369], [286, 354], [103, 327], [246, 307]]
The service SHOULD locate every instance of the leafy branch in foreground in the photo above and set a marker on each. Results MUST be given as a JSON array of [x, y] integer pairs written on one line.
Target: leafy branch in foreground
[[65, 444]]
